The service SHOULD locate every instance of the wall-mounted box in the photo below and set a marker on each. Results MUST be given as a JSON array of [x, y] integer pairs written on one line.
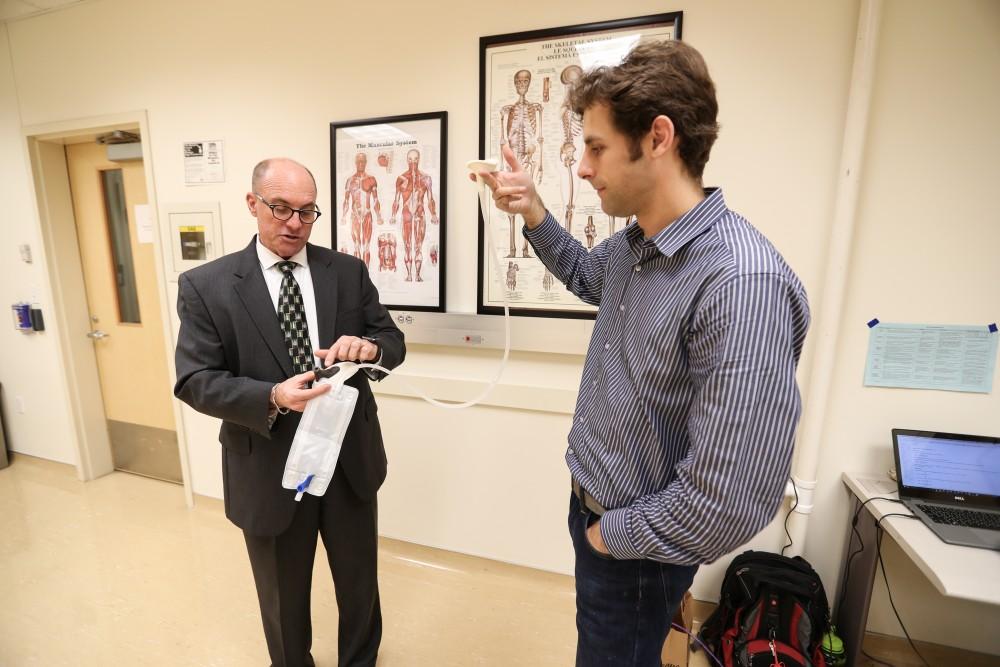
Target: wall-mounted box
[[195, 234]]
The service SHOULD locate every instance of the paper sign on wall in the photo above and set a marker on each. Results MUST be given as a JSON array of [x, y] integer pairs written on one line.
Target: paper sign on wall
[[927, 356], [203, 162], [144, 223]]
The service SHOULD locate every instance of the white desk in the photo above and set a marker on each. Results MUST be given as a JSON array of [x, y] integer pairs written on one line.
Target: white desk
[[958, 572]]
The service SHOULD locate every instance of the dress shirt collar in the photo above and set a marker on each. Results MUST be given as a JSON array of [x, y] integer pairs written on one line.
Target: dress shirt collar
[[269, 259], [677, 234]]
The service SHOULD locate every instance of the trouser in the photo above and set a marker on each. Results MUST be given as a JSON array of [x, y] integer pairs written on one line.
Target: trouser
[[623, 607], [283, 566]]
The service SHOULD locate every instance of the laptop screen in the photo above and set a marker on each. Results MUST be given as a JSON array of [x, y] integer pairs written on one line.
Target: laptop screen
[[947, 464]]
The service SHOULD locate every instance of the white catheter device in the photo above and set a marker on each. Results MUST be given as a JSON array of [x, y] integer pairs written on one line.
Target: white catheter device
[[479, 166]]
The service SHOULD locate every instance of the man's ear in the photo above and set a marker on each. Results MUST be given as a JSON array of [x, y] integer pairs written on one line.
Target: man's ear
[[663, 135], [252, 203]]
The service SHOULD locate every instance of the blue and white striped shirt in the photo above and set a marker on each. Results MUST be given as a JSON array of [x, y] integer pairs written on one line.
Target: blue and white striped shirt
[[685, 422]]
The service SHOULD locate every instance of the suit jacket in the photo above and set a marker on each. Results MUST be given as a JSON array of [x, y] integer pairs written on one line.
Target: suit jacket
[[230, 352]]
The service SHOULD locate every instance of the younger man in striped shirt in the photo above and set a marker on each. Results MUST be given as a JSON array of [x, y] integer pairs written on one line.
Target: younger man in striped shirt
[[684, 427]]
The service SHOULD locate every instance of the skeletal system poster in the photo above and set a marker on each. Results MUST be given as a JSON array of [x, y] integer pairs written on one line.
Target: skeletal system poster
[[526, 86]]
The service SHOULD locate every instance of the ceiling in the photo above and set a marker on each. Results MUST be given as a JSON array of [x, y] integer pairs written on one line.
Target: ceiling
[[16, 9]]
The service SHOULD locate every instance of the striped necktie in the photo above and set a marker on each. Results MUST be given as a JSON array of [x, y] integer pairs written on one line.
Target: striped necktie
[[292, 318]]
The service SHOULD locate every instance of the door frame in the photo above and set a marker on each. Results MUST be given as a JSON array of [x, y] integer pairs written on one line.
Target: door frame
[[46, 149]]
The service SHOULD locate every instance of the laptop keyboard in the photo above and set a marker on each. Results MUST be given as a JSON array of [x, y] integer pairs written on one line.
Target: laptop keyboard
[[959, 517]]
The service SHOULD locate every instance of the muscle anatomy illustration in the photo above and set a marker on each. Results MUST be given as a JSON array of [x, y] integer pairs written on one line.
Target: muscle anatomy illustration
[[387, 252], [521, 129], [414, 192], [360, 198]]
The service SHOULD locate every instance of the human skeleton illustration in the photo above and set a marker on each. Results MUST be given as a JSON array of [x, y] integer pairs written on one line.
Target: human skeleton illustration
[[611, 224], [512, 269], [590, 231], [521, 129], [572, 126]]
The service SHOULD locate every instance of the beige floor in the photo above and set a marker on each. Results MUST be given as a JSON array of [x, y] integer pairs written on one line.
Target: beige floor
[[117, 571]]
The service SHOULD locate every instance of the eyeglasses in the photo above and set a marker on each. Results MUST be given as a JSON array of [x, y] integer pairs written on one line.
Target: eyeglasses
[[284, 212]]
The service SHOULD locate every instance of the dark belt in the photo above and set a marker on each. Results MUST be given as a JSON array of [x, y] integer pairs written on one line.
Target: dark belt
[[587, 500]]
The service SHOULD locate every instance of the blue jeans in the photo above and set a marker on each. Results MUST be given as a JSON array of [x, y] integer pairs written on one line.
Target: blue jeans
[[623, 607]]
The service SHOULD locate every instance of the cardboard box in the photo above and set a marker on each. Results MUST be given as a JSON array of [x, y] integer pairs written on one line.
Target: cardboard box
[[675, 648]]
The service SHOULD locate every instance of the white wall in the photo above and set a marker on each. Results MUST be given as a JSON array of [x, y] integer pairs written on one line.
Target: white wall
[[29, 363], [925, 251], [491, 480]]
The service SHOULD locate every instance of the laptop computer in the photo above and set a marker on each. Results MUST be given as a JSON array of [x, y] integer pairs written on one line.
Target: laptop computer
[[951, 482]]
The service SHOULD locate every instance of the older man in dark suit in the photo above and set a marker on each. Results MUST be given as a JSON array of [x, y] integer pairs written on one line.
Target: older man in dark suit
[[251, 323]]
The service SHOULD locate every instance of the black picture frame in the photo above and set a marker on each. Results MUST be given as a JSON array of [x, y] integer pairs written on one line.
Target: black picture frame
[[541, 53], [408, 276]]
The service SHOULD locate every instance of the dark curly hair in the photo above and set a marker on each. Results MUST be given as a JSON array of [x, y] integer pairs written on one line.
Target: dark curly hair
[[667, 78]]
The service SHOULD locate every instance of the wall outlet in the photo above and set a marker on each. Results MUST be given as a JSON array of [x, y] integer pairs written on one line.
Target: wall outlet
[[19, 404]]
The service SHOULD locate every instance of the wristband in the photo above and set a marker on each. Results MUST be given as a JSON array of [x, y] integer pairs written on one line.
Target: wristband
[[374, 341], [274, 402]]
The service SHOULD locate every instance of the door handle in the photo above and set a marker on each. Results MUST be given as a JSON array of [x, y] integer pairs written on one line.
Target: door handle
[[97, 335]]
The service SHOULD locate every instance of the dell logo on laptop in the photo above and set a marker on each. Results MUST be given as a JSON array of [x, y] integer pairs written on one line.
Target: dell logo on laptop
[[960, 499]]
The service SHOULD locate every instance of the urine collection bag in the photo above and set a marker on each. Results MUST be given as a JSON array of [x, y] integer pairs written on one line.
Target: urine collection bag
[[316, 446]]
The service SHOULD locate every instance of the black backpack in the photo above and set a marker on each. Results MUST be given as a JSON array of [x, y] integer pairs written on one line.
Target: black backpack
[[772, 609]]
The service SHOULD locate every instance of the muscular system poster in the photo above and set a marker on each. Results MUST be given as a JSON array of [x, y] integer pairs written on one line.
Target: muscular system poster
[[388, 185]]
